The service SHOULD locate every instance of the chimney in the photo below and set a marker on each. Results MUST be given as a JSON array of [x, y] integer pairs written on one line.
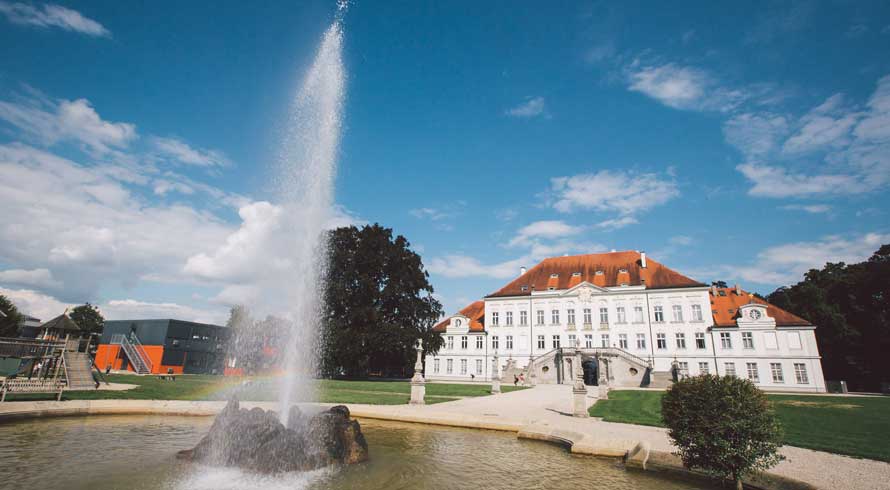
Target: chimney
[[643, 259], [713, 290], [522, 270], [738, 290]]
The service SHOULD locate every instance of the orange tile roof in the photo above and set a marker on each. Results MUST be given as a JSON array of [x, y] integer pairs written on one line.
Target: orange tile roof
[[538, 278], [475, 311], [731, 301]]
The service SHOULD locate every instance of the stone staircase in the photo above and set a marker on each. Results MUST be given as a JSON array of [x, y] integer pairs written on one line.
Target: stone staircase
[[660, 379], [78, 371]]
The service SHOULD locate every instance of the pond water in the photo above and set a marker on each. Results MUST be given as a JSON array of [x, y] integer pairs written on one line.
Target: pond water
[[138, 452]]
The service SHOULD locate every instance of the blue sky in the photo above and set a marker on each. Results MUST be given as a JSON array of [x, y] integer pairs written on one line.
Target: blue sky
[[746, 143]]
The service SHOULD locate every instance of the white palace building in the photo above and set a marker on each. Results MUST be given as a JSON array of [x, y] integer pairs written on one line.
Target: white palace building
[[636, 322]]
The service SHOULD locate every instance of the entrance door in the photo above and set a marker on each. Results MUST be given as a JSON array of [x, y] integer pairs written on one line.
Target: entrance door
[[591, 374]]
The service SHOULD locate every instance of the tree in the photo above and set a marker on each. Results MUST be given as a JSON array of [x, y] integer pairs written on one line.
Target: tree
[[88, 318], [251, 341], [378, 303], [849, 306], [719, 284], [10, 318], [723, 426]]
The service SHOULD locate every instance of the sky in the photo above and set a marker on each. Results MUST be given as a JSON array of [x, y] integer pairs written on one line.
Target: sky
[[746, 143]]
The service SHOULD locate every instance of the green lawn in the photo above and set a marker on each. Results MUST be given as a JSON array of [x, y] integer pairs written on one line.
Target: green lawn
[[200, 387], [855, 426]]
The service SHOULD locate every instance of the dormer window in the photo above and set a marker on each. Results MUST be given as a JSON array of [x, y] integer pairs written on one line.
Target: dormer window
[[576, 274], [551, 288], [623, 284], [599, 273], [722, 293], [523, 288], [622, 271], [554, 276]]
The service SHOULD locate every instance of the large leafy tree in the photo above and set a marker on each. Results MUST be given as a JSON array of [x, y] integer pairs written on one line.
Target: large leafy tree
[[850, 305], [10, 318], [88, 318], [723, 426], [378, 303], [253, 342]]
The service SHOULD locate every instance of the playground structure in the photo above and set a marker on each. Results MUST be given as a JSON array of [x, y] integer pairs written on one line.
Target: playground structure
[[48, 366]]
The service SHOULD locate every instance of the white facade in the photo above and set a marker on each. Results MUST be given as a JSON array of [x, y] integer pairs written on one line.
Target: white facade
[[665, 327]]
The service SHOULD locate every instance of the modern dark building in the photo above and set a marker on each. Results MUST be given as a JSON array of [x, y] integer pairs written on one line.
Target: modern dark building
[[163, 346]]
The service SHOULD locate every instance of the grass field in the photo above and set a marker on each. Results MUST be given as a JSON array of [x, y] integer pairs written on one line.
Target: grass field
[[198, 387], [855, 426]]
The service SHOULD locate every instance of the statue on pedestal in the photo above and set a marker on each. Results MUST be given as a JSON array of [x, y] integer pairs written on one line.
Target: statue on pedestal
[[579, 390], [496, 376], [418, 384]]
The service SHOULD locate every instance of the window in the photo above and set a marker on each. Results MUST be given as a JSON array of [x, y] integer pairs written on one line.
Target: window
[[587, 316], [571, 315], [494, 342], [700, 340], [800, 372], [752, 372], [540, 341], [436, 365], [588, 341], [683, 367], [641, 341], [726, 340], [661, 341], [449, 366], [509, 342], [604, 316], [678, 313], [540, 317], [523, 317], [509, 318], [556, 341], [659, 314], [479, 342], [729, 369], [572, 340], [463, 366], [747, 340], [638, 314], [599, 273], [622, 340], [479, 367], [450, 342], [494, 318], [554, 317], [776, 370], [703, 368], [622, 316], [604, 340], [463, 342], [681, 340], [696, 313]]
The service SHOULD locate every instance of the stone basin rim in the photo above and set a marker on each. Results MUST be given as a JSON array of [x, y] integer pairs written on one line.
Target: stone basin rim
[[636, 455]]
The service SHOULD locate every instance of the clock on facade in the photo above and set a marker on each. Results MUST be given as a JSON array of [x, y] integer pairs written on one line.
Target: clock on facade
[[755, 314]]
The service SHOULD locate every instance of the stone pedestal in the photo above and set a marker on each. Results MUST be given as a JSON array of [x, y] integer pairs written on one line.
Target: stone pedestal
[[532, 377], [418, 384], [579, 402], [496, 377], [495, 386]]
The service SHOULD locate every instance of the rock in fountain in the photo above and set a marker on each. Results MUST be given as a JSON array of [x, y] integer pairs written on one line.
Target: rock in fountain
[[255, 440]]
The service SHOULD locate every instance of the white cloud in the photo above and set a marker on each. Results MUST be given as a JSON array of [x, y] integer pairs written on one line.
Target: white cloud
[[680, 240], [34, 303], [809, 208], [93, 230], [532, 107], [835, 148], [623, 192], [786, 264], [52, 16], [683, 87], [181, 152], [457, 265], [775, 181], [551, 229], [76, 121], [32, 277], [131, 309], [429, 213]]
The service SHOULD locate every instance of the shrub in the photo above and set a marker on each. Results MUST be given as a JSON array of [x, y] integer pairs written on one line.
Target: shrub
[[723, 426]]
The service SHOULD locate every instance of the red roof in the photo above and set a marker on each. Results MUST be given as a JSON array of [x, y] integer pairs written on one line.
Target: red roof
[[725, 309], [616, 269], [474, 311]]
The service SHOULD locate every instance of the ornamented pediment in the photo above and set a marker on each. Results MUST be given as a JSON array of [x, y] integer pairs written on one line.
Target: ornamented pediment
[[585, 291], [459, 323], [754, 315]]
